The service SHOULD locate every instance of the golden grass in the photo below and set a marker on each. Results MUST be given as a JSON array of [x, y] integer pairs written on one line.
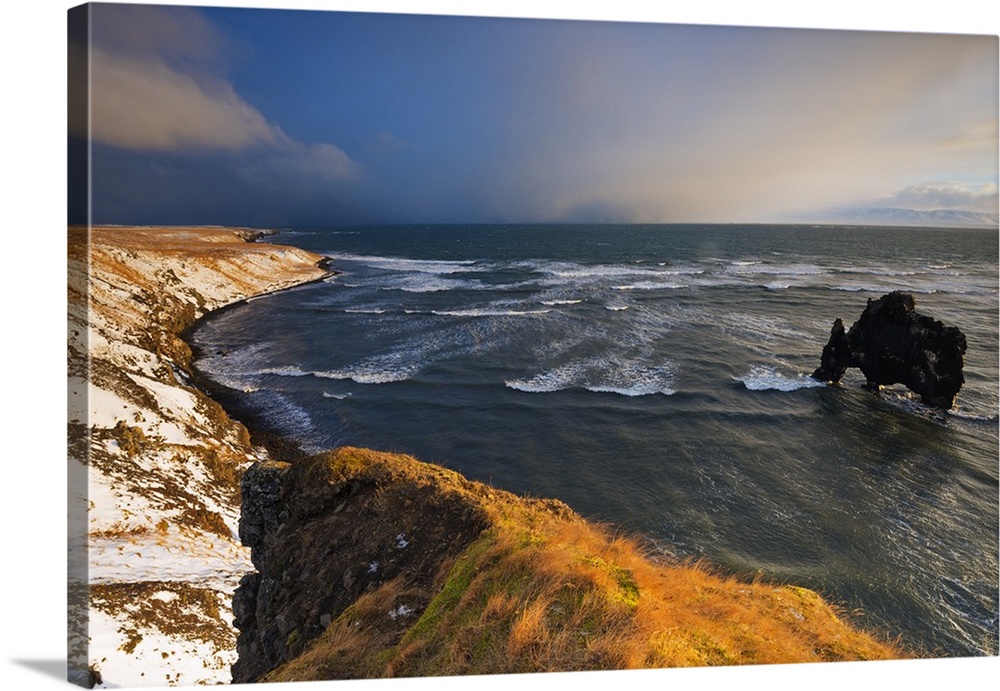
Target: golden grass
[[544, 590]]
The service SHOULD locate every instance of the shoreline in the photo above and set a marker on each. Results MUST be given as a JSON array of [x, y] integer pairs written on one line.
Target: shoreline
[[154, 460], [245, 451], [276, 443]]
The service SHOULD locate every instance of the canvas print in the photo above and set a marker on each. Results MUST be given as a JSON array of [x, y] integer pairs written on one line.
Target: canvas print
[[420, 346]]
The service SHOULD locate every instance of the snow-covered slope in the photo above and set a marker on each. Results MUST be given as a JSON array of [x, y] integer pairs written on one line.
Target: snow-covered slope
[[153, 462]]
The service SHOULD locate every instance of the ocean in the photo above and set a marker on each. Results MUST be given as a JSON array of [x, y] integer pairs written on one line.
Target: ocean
[[655, 377]]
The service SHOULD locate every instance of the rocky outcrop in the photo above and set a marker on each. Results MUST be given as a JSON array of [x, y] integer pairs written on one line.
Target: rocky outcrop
[[327, 530], [376, 565], [891, 343]]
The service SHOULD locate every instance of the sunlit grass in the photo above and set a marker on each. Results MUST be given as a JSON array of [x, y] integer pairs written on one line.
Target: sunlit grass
[[542, 589]]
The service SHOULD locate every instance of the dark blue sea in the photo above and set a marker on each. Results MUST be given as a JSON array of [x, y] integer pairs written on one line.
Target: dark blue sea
[[656, 378]]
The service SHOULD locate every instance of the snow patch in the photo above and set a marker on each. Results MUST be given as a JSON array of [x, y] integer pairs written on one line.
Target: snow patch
[[401, 611]]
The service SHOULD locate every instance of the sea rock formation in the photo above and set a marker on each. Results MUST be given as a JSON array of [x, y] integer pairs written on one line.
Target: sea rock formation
[[891, 343]]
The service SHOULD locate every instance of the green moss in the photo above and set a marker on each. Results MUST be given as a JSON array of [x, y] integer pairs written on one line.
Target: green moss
[[459, 578], [628, 589], [293, 644], [488, 640], [711, 650], [375, 664]]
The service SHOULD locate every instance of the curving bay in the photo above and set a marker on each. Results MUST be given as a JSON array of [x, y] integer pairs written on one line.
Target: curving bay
[[656, 377]]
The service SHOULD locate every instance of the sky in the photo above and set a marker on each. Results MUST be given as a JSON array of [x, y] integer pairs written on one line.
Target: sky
[[283, 117]]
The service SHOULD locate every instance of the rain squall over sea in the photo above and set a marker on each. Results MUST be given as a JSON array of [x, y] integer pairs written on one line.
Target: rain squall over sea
[[656, 377]]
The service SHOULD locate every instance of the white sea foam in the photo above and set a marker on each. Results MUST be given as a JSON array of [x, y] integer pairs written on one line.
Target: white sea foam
[[231, 368], [651, 285], [337, 396], [561, 272], [763, 378], [633, 379], [875, 288], [487, 312], [425, 283], [281, 410], [286, 371], [369, 375], [879, 271], [426, 266], [536, 384], [601, 376], [407, 358], [572, 270], [682, 271], [380, 370], [909, 402], [545, 382], [946, 272], [616, 308], [741, 267], [561, 302], [974, 417], [859, 288]]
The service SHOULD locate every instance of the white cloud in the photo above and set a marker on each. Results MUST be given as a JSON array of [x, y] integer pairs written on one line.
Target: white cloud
[[142, 104], [153, 87], [945, 195]]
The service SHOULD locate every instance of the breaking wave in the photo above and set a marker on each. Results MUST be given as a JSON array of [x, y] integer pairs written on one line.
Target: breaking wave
[[486, 312], [601, 376], [763, 378]]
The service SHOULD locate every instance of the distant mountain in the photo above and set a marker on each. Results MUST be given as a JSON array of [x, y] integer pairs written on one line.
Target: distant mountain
[[912, 217]]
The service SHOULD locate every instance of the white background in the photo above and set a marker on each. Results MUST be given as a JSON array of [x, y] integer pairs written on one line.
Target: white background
[[33, 491]]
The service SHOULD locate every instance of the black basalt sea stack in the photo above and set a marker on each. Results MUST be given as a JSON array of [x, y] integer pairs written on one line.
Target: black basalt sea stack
[[893, 344]]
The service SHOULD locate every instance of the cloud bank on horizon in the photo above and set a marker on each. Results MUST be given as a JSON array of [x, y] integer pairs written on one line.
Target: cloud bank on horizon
[[264, 117]]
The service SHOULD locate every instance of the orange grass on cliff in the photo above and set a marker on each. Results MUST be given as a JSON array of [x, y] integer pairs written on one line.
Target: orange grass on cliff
[[542, 589]]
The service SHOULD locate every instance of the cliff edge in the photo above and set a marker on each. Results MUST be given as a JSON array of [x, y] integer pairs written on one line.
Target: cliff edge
[[154, 463], [378, 565]]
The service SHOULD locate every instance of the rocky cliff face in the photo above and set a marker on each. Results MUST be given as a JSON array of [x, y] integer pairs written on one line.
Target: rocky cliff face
[[374, 564], [154, 462], [322, 535]]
